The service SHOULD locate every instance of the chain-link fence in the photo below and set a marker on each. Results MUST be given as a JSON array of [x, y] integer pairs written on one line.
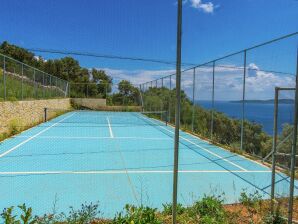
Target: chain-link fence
[[230, 101], [19, 81], [122, 94]]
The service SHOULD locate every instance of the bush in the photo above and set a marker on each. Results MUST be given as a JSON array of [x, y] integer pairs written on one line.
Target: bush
[[137, 215], [209, 210], [25, 217], [251, 200], [167, 209], [14, 127], [274, 219]]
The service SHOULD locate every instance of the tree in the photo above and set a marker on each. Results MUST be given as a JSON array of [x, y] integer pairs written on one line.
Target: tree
[[103, 81]]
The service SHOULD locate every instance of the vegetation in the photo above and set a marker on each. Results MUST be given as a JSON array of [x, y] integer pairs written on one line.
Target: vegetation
[[83, 82], [226, 130], [208, 210]]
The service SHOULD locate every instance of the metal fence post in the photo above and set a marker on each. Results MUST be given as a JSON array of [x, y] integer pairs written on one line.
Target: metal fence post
[[169, 119], [43, 85], [87, 91], [57, 89], [274, 148], [212, 110], [243, 102], [4, 78], [34, 83], [50, 86], [294, 149], [193, 99], [22, 82]]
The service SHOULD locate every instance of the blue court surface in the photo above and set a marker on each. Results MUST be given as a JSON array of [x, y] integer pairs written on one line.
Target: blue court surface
[[115, 158]]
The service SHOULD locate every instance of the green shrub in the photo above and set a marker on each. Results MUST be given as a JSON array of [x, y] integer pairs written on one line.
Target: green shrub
[[274, 219], [137, 215], [14, 126], [208, 210], [167, 209], [86, 214], [251, 200], [24, 218]]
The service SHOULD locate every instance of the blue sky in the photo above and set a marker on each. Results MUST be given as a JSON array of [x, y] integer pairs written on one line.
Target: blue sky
[[146, 28]]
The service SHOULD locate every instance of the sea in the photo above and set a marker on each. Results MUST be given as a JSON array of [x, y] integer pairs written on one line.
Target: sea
[[261, 113]]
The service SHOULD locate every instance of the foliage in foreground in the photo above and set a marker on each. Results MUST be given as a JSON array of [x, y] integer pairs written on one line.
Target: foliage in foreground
[[208, 210]]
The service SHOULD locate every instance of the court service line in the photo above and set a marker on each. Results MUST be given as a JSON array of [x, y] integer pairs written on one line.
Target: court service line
[[110, 128], [34, 136], [212, 153], [129, 172], [87, 137]]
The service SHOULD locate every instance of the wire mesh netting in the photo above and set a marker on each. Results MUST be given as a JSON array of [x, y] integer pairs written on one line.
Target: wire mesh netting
[[20, 81], [230, 102]]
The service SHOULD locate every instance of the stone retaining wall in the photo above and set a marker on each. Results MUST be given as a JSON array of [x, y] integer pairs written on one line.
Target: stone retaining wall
[[20, 115], [90, 103]]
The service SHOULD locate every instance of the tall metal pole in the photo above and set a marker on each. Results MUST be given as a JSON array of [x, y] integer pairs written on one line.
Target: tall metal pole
[[294, 149], [274, 147], [212, 111], [177, 112], [193, 99], [243, 101]]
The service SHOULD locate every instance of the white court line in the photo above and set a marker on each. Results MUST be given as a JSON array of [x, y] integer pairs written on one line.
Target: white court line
[[110, 128], [86, 137], [130, 172], [34, 136], [212, 153]]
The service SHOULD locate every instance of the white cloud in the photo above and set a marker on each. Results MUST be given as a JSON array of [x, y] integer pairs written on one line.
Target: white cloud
[[136, 76], [207, 7], [228, 81]]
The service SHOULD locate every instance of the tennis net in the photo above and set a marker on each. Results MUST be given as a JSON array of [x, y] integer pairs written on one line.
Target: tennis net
[[102, 118]]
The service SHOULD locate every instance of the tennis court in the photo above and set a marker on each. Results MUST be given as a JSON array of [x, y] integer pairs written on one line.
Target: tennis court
[[118, 158]]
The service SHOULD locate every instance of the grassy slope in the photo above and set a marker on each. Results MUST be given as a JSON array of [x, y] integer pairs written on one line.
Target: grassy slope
[[14, 89]]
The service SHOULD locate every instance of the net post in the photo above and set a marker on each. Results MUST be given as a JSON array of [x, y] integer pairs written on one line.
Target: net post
[[243, 101], [45, 114], [193, 99], [177, 112], [4, 77], [274, 148], [212, 111], [294, 149]]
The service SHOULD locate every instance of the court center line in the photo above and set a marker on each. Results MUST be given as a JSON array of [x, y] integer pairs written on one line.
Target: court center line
[[129, 172], [34, 136], [212, 153], [110, 128]]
